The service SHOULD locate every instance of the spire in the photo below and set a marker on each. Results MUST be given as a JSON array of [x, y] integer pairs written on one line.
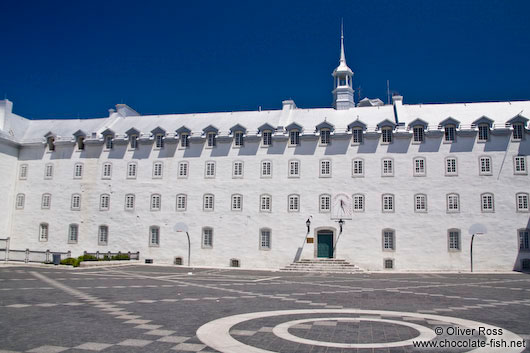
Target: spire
[[342, 56], [343, 78]]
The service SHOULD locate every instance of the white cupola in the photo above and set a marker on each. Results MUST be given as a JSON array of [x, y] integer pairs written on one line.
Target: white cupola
[[342, 86]]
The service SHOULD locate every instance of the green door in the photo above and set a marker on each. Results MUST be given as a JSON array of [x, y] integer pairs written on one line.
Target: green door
[[325, 245]]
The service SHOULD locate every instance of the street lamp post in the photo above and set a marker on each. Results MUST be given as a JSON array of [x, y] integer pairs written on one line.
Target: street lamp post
[[308, 224], [183, 228], [475, 229]]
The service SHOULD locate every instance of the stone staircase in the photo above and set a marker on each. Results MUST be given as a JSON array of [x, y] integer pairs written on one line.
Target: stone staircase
[[322, 265]]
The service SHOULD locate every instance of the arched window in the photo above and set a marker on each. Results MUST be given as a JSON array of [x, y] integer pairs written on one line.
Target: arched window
[[357, 135], [132, 170], [453, 203], [182, 202], [387, 167], [76, 202], [325, 136], [484, 165], [20, 201], [183, 169], [418, 133], [265, 203], [388, 203], [237, 202], [108, 142], [419, 166], [208, 202], [73, 233], [104, 202], [358, 168], [449, 133], [239, 138], [517, 131], [386, 135], [159, 141], [207, 238], [325, 203], [23, 172], [156, 202], [133, 141], [103, 235], [211, 139], [483, 132], [43, 232], [158, 170], [451, 167], [358, 202], [519, 165], [453, 239], [420, 203], [129, 202], [46, 201], [107, 171], [294, 168], [521, 202], [266, 169], [264, 239], [237, 169], [294, 137], [48, 171], [293, 203], [154, 236], [389, 239], [325, 168], [78, 171], [209, 169], [266, 138], [487, 202]]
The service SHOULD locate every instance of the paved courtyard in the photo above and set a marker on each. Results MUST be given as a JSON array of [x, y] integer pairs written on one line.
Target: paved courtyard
[[164, 309]]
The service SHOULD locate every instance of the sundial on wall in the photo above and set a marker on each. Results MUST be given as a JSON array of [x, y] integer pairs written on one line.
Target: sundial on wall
[[341, 206]]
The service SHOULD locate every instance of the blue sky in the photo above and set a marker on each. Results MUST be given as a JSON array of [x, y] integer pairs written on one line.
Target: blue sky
[[78, 59]]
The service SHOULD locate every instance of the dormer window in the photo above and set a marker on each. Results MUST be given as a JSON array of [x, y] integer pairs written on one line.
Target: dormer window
[[50, 141], [238, 138], [386, 135], [294, 137], [159, 140], [184, 140], [518, 130], [267, 138], [449, 133], [133, 140], [357, 135], [325, 136], [108, 142], [211, 137], [81, 143], [418, 133], [483, 132]]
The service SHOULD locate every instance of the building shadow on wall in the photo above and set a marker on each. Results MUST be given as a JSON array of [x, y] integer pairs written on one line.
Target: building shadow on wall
[[143, 151], [524, 145], [221, 150], [277, 147], [118, 151], [168, 151], [338, 146], [13, 152], [463, 144], [431, 144], [497, 143], [92, 152], [369, 145], [307, 146], [62, 153], [194, 150], [399, 145]]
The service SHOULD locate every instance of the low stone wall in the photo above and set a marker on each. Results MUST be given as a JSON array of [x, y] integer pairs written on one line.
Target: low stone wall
[[107, 263]]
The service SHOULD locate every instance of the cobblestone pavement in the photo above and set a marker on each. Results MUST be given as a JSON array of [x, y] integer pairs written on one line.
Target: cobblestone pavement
[[164, 309]]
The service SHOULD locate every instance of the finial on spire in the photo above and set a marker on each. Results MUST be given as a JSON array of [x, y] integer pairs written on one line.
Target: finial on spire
[[342, 56]]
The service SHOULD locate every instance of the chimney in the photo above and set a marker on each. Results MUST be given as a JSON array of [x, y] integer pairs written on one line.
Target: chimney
[[6, 108], [288, 104]]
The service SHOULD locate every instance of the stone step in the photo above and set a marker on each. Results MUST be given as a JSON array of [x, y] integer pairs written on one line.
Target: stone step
[[322, 265]]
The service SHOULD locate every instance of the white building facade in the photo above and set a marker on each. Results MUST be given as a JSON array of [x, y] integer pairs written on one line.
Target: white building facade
[[407, 181]]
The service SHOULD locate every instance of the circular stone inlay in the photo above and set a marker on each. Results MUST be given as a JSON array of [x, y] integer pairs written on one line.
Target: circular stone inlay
[[282, 331]]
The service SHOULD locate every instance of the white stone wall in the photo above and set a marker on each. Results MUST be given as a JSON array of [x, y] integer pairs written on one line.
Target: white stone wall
[[421, 239], [8, 166]]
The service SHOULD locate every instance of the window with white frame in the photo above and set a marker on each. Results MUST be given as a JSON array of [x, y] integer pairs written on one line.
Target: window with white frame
[[418, 133], [325, 168], [519, 165], [73, 233], [451, 168], [237, 202], [237, 169], [78, 171], [23, 172], [357, 135], [159, 141], [517, 132], [20, 201], [156, 202], [182, 201], [154, 236], [487, 202], [129, 202], [133, 142], [104, 202], [324, 203], [183, 170], [184, 140], [325, 136], [420, 203], [522, 202], [76, 202], [108, 142], [294, 137], [266, 169], [419, 166], [358, 203], [207, 237], [158, 168], [294, 169], [387, 168], [388, 264], [386, 135], [524, 239], [483, 132], [293, 203], [80, 143], [453, 203], [358, 168], [485, 165], [208, 202], [453, 239], [43, 232], [46, 201], [388, 202], [449, 133], [48, 171], [132, 169], [267, 138], [103, 235], [107, 171], [211, 139], [389, 240], [265, 239], [238, 138], [265, 203], [209, 169]]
